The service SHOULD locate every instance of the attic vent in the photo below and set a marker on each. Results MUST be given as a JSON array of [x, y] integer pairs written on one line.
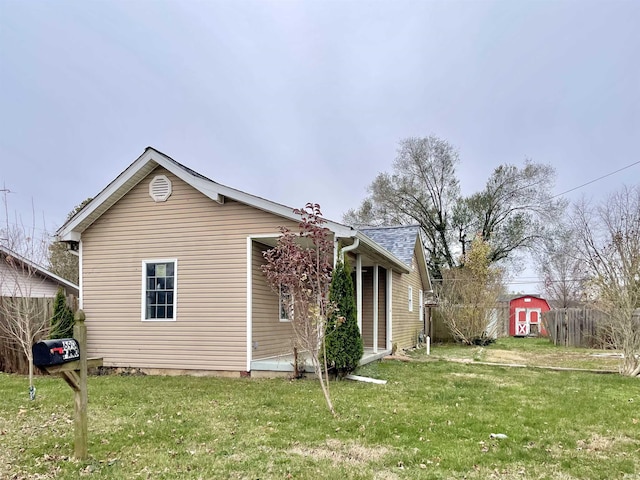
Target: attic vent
[[160, 188]]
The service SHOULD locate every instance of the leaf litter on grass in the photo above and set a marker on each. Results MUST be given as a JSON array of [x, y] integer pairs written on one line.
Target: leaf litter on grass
[[339, 453]]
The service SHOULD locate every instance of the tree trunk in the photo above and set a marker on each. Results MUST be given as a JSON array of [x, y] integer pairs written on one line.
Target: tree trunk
[[630, 365], [32, 389], [325, 387]]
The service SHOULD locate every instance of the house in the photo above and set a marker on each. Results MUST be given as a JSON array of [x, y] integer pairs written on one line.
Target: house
[[20, 277], [525, 315], [405, 243], [170, 276], [27, 290]]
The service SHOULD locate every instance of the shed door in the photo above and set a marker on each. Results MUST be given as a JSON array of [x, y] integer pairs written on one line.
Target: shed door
[[527, 321], [534, 322], [522, 324]]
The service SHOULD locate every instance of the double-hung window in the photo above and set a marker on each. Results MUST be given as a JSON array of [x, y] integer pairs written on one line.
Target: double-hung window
[[285, 305], [410, 295], [159, 289]]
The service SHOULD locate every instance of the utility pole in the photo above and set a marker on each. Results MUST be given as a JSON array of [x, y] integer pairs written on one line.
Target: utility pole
[[4, 191]]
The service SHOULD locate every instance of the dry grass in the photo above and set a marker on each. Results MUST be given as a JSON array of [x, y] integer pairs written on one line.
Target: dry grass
[[538, 352], [339, 453]]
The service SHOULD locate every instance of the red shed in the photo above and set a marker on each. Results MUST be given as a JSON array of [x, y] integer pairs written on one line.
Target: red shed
[[525, 315]]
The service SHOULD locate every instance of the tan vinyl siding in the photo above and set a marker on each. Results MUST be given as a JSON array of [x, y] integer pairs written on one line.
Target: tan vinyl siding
[[406, 324], [271, 337], [209, 241], [367, 308], [382, 308]]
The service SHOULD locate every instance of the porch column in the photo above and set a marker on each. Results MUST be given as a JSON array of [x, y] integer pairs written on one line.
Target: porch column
[[375, 307], [389, 308], [359, 290]]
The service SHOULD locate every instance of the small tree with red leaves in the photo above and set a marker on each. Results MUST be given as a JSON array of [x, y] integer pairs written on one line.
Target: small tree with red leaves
[[300, 265]]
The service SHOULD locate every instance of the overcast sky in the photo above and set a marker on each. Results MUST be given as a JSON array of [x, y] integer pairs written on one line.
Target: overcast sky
[[306, 101]]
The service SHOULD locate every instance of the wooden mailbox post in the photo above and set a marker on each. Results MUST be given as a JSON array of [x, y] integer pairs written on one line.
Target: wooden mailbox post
[[75, 374]]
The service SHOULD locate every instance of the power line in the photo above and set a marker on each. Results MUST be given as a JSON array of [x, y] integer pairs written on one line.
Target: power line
[[595, 180]]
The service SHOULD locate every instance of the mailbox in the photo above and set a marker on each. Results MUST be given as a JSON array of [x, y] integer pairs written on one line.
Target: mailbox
[[55, 352]]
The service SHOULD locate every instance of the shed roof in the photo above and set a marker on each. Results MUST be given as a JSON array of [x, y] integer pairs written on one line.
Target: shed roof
[[513, 296]]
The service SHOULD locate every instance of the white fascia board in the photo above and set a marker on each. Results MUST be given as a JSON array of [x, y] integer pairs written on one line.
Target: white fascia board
[[72, 236], [61, 280], [423, 256], [277, 209], [215, 191], [69, 231], [41, 270], [398, 264]]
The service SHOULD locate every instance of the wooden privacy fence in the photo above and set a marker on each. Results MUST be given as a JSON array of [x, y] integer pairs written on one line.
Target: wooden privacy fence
[[12, 358], [573, 327]]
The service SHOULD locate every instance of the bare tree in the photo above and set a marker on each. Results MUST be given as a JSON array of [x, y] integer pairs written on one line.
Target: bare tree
[[468, 294], [301, 265], [513, 209], [23, 319], [509, 213], [561, 269], [423, 188], [62, 261], [609, 244], [27, 240]]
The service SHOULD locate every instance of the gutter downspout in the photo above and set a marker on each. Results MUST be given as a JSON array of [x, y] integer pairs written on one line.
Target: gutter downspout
[[353, 246]]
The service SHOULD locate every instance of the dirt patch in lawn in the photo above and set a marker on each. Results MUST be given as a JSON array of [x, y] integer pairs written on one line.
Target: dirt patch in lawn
[[599, 444], [497, 381], [560, 358], [515, 473], [467, 375], [506, 356], [341, 453]]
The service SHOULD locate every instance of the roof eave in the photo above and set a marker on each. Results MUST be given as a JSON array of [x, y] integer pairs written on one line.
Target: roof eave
[[397, 264], [145, 164], [42, 271], [423, 257], [73, 228]]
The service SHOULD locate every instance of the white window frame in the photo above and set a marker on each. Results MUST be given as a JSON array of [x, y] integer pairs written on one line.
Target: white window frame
[[281, 309], [411, 299], [421, 306], [143, 314]]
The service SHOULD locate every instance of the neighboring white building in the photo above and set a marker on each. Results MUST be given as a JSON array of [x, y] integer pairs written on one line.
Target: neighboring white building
[[20, 277]]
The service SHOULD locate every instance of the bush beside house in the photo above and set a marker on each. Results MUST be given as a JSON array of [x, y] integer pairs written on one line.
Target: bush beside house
[[344, 347]]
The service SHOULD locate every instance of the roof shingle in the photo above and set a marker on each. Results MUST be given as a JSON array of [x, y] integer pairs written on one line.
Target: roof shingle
[[399, 240]]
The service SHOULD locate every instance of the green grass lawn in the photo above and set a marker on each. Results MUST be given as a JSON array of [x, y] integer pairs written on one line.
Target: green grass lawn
[[431, 420]]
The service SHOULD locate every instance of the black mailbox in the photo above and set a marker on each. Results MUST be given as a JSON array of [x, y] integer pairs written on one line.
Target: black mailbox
[[55, 352]]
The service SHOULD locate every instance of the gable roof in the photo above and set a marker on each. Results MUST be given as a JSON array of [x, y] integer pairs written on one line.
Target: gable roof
[[143, 166], [43, 272], [399, 240], [152, 158]]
